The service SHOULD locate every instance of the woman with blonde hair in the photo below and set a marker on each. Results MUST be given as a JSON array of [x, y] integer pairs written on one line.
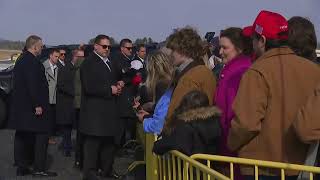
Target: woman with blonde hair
[[160, 73]]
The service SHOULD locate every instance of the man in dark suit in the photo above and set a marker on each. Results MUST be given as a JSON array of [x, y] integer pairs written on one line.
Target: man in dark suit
[[77, 105], [139, 62], [29, 112], [62, 58], [98, 114], [65, 101], [139, 65], [125, 74]]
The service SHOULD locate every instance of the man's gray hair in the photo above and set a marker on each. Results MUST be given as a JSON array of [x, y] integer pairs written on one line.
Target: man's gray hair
[[32, 40]]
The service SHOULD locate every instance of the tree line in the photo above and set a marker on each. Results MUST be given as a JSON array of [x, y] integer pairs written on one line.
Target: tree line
[[11, 45], [144, 40]]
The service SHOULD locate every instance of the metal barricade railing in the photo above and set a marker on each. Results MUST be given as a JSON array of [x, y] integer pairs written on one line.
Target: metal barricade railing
[[256, 164], [175, 166], [152, 171]]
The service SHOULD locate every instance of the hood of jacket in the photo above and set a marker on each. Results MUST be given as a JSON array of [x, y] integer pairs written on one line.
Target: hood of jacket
[[205, 121]]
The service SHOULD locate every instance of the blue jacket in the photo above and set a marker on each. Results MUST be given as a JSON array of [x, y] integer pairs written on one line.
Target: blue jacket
[[154, 124]]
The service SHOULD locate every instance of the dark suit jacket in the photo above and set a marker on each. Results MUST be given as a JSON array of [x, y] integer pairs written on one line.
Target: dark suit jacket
[[60, 65], [122, 66], [30, 90], [98, 113], [65, 95]]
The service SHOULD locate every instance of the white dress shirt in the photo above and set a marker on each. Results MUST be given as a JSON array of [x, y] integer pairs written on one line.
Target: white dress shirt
[[105, 60]]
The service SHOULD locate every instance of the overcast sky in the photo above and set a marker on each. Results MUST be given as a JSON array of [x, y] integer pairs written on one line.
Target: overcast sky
[[75, 21]]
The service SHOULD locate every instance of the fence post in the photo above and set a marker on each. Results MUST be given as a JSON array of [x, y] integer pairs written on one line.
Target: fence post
[[151, 159]]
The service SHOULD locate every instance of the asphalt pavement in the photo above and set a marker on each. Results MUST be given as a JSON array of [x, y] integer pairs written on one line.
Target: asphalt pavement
[[5, 64], [56, 161]]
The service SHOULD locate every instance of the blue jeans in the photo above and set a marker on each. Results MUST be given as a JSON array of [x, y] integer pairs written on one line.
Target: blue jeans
[[270, 177]]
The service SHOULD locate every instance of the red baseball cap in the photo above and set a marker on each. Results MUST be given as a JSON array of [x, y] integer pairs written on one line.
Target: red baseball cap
[[269, 24]]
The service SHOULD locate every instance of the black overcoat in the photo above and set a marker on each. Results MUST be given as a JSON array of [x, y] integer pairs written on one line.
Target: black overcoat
[[30, 90], [99, 112], [65, 109]]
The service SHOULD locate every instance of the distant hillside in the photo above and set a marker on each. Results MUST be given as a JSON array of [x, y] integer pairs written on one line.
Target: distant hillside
[[11, 45]]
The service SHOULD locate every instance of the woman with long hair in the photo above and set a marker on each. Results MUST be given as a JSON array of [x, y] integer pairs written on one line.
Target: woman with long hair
[[160, 73]]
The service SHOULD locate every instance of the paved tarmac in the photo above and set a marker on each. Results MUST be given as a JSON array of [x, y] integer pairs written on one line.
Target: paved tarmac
[[56, 161], [5, 64]]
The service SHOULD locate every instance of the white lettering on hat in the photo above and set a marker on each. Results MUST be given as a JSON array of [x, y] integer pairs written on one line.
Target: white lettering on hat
[[283, 27], [258, 29]]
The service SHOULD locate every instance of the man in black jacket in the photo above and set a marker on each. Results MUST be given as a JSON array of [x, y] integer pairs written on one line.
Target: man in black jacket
[[139, 62], [98, 114], [65, 100], [122, 64], [62, 58], [29, 112]]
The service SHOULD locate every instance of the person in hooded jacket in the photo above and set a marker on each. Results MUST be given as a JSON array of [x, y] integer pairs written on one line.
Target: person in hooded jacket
[[194, 128]]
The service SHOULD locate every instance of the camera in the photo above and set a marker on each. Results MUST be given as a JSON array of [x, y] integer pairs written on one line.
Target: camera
[[209, 36]]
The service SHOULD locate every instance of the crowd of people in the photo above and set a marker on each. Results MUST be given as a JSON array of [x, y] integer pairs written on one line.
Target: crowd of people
[[251, 93]]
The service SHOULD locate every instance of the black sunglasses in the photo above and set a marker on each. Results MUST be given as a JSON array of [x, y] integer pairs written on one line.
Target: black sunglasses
[[105, 46], [129, 48]]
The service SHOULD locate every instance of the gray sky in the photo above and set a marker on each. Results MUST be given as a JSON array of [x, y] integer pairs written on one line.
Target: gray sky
[[74, 21]]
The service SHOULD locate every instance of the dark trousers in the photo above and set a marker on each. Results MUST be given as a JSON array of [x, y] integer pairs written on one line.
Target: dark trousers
[[31, 148], [79, 147], [98, 150], [79, 139], [129, 132], [66, 131], [270, 177], [52, 116]]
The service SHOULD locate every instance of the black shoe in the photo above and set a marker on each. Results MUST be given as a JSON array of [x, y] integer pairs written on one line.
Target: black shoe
[[114, 175], [100, 173], [44, 174], [23, 171], [78, 165]]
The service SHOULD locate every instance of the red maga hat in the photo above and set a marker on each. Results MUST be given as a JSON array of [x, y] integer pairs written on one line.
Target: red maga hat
[[269, 24]]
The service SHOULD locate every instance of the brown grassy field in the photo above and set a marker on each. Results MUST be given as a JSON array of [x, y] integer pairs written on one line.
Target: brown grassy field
[[6, 54]]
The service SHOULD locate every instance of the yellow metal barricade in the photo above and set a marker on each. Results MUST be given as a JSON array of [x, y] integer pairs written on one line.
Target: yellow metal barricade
[[256, 164], [175, 166], [152, 171]]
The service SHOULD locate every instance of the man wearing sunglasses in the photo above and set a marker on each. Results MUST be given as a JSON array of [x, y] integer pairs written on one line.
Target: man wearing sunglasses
[[125, 75], [98, 114], [62, 57]]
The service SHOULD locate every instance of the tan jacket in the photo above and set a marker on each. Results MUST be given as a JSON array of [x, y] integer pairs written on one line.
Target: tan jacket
[[307, 123], [269, 97], [198, 77]]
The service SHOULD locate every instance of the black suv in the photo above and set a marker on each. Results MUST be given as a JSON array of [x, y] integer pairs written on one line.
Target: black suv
[[5, 89]]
